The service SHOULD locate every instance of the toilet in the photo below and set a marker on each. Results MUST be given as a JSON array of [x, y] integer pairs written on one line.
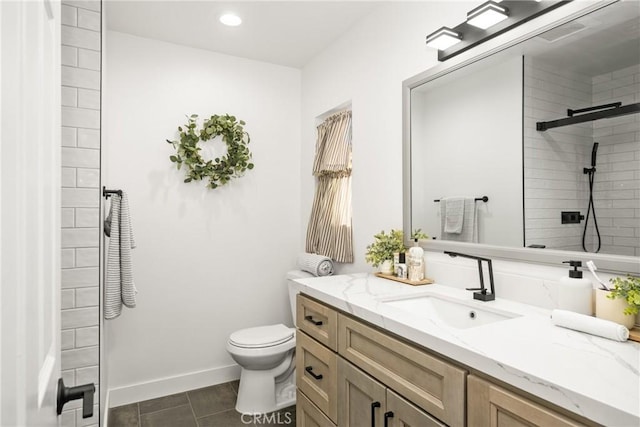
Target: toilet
[[266, 355]]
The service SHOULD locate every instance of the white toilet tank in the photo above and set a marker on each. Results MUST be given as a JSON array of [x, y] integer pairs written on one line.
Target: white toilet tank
[[295, 274]]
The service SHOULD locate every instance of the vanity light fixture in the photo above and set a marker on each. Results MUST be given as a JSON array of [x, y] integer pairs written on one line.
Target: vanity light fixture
[[487, 15], [443, 38], [487, 21], [231, 19]]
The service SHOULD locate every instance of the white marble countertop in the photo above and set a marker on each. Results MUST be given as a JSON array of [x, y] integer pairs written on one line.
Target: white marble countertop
[[590, 376]]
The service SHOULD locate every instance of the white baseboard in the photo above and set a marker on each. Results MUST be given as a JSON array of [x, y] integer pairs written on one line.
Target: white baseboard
[[170, 385]]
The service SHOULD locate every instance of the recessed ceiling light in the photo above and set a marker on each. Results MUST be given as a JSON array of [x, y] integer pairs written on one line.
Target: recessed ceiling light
[[231, 19]]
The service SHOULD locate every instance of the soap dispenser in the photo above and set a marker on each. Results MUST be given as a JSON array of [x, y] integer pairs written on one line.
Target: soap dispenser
[[416, 262], [574, 292]]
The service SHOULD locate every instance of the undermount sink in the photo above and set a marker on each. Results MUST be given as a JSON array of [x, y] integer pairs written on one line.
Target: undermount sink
[[455, 313]]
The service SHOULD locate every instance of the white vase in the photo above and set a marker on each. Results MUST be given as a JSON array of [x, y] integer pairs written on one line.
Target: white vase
[[613, 309], [386, 267]]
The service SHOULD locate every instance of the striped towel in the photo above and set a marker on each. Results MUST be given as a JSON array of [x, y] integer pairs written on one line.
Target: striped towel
[[318, 265], [119, 287]]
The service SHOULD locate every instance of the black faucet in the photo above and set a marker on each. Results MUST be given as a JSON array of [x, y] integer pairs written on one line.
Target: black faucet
[[481, 292]]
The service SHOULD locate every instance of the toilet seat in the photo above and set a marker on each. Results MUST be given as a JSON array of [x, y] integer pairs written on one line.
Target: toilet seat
[[262, 336]]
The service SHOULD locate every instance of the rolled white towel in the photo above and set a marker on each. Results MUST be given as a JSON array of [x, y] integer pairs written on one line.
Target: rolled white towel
[[318, 265], [590, 325]]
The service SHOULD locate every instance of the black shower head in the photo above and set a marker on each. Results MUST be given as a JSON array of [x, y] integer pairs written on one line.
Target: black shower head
[[594, 152]]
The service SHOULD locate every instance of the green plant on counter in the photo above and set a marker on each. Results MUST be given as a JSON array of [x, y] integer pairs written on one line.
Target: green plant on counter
[[384, 246], [418, 234], [629, 289]]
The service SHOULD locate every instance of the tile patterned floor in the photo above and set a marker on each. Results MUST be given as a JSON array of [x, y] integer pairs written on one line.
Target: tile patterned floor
[[205, 407]]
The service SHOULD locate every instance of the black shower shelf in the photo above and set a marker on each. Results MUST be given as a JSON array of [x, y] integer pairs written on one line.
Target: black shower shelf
[[613, 110]]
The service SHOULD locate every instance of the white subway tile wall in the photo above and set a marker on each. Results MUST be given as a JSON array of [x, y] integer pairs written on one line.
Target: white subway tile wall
[[81, 57], [553, 178], [617, 179], [554, 160]]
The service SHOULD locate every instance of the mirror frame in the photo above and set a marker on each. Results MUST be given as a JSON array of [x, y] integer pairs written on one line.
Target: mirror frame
[[568, 12]]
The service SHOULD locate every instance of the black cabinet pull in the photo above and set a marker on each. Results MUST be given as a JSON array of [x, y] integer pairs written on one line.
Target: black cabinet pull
[[374, 405], [387, 415], [309, 369], [315, 322]]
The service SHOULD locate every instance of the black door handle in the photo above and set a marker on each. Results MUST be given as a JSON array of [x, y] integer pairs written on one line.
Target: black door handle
[[84, 392], [309, 369], [374, 405], [387, 415], [315, 322]]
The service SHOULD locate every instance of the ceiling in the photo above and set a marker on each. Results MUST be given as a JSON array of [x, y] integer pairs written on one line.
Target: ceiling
[[287, 33]]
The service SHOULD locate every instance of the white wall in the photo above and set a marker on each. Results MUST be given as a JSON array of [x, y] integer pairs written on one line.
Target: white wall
[[207, 262], [367, 66], [467, 141]]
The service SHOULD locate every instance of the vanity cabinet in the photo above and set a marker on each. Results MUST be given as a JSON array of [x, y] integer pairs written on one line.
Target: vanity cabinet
[[373, 379], [489, 405]]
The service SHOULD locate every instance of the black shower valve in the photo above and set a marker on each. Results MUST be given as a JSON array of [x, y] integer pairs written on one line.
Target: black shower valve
[[84, 392], [571, 217]]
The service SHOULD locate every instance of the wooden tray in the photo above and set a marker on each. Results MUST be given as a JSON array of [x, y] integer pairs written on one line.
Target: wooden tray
[[634, 334], [405, 281]]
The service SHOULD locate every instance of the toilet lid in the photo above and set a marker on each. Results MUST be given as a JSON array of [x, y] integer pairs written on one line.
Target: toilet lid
[[262, 336]]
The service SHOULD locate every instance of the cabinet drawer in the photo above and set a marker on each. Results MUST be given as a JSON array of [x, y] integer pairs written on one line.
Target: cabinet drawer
[[491, 405], [317, 320], [316, 374], [431, 383], [308, 415], [405, 414]]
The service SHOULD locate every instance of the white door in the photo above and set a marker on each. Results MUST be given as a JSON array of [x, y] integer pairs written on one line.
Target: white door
[[29, 211]]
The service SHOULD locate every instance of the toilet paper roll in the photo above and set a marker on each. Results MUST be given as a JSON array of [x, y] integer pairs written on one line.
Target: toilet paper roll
[[589, 325], [318, 265]]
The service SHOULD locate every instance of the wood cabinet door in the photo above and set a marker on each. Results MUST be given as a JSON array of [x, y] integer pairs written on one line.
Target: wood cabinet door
[[361, 399], [402, 413], [492, 406], [308, 414]]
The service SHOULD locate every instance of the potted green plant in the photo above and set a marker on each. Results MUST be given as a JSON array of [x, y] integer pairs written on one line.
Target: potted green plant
[[380, 252], [624, 301], [629, 290]]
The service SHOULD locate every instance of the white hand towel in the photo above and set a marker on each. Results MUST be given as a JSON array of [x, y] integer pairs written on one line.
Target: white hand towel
[[469, 231], [590, 325], [318, 265], [119, 286], [454, 214]]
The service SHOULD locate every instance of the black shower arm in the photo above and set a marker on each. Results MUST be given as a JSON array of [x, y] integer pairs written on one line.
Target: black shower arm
[[589, 116]]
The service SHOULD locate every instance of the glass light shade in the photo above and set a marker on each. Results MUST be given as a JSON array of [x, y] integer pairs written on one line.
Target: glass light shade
[[487, 15], [443, 38]]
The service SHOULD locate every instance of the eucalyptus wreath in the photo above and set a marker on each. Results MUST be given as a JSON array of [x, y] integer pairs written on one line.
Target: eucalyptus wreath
[[220, 170]]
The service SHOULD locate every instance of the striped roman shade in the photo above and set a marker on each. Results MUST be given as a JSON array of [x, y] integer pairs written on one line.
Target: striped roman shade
[[329, 232]]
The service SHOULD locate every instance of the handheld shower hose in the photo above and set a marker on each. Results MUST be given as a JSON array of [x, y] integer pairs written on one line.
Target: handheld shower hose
[[591, 172]]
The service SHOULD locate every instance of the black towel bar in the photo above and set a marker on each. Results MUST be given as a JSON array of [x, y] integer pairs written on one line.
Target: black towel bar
[[477, 199], [107, 193]]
